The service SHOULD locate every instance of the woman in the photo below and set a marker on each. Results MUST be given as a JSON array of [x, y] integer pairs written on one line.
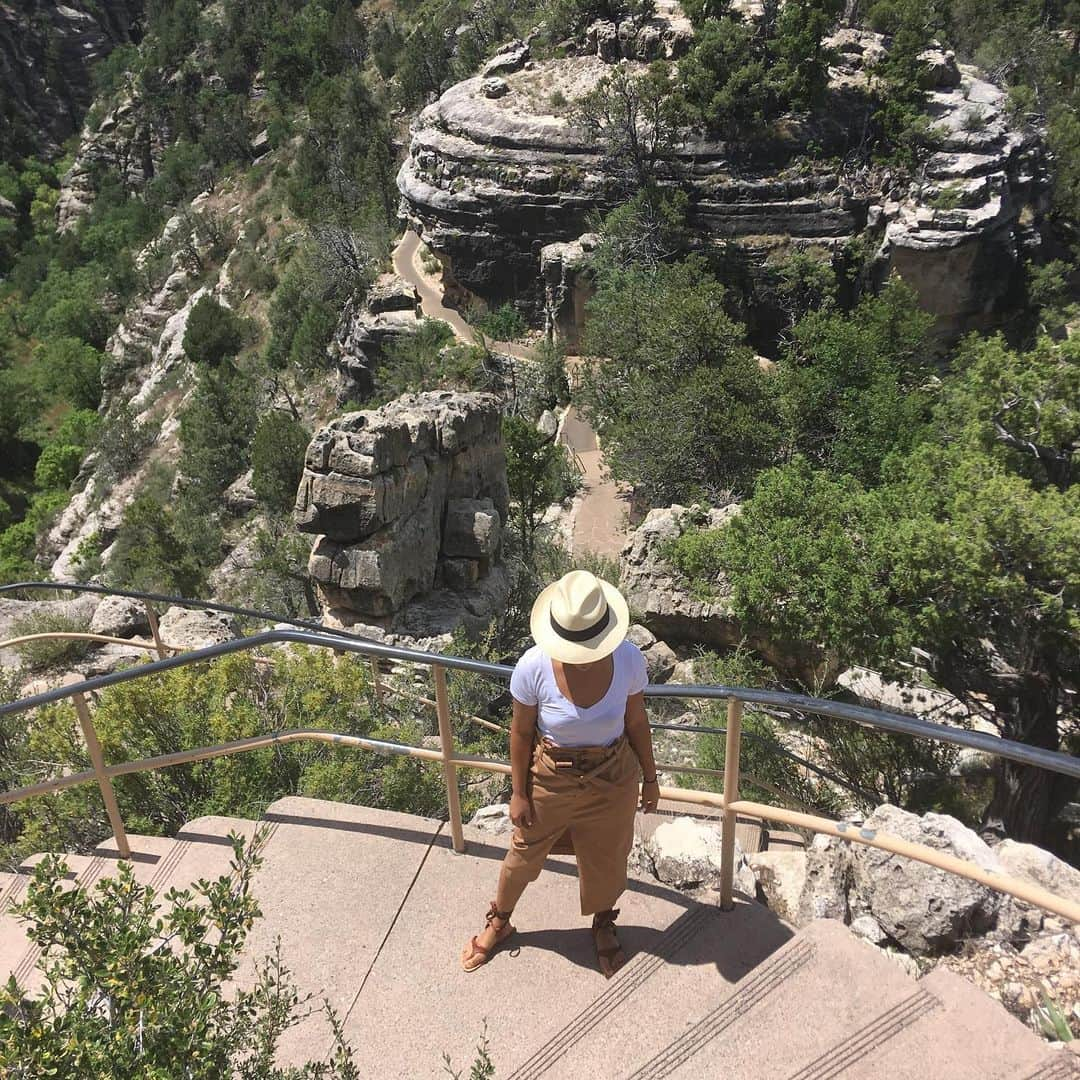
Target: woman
[[577, 742]]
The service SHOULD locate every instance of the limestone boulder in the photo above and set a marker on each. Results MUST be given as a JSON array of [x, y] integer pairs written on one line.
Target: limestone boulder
[[472, 529], [510, 57], [186, 629], [239, 497], [685, 853], [655, 589], [660, 658], [493, 819], [827, 881], [781, 876], [408, 503], [921, 908], [1016, 919], [120, 616]]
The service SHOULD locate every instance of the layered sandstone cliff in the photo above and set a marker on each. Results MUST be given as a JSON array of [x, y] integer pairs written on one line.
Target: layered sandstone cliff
[[496, 171]]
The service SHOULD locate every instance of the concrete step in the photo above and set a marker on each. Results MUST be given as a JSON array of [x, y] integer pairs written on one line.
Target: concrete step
[[541, 981], [825, 1005], [331, 887], [1003, 1048], [782, 1008]]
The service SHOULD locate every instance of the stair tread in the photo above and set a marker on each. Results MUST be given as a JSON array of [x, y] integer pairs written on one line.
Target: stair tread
[[332, 879], [1004, 1048]]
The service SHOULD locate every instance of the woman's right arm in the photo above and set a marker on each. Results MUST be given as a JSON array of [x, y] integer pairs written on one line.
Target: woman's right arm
[[522, 730]]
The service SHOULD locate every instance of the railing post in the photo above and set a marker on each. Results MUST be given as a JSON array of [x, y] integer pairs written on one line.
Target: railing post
[[151, 618], [731, 795], [446, 737], [98, 761]]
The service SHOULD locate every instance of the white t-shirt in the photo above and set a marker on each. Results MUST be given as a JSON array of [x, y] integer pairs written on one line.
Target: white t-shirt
[[567, 724]]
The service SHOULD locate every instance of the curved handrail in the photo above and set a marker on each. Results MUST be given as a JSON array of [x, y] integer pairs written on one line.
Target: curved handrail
[[897, 723], [1022, 890], [72, 635], [1052, 760]]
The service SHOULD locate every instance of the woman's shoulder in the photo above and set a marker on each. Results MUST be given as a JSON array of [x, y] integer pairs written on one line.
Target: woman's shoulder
[[530, 660], [628, 652]]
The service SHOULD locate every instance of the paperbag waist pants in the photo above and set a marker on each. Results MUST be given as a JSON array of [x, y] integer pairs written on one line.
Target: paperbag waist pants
[[595, 800]]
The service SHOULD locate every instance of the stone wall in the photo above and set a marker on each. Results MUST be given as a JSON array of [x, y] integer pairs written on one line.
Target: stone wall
[[408, 503]]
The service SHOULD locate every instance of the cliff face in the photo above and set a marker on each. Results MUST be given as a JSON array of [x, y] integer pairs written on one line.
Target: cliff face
[[47, 50], [496, 171]]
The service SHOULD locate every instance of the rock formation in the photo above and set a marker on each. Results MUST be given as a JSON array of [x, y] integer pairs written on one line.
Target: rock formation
[[365, 331], [491, 182], [123, 144], [408, 503], [47, 51]]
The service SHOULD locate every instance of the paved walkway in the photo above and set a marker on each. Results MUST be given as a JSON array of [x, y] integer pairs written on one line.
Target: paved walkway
[[600, 514], [372, 908]]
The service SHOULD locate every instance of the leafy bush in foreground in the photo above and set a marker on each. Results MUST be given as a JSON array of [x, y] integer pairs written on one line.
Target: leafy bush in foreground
[[137, 988]]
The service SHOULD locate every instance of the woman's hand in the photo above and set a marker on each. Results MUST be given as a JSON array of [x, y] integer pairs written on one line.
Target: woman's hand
[[521, 813], [650, 796]]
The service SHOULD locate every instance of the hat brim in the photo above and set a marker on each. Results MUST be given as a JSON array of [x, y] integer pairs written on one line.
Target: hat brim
[[580, 652]]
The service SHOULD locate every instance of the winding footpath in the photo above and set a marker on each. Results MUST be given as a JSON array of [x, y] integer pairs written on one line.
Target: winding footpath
[[600, 515]]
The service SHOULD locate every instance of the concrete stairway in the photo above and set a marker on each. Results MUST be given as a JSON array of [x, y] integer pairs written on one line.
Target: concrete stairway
[[372, 909]]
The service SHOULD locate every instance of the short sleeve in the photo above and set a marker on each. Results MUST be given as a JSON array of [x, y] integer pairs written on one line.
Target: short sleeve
[[639, 671], [523, 681]]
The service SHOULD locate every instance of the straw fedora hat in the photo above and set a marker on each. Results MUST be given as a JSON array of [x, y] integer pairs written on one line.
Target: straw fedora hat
[[579, 618]]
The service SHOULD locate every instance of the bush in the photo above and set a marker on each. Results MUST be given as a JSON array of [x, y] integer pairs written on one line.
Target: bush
[[277, 460], [50, 655], [71, 371], [696, 554], [213, 333], [502, 324], [57, 466], [134, 987]]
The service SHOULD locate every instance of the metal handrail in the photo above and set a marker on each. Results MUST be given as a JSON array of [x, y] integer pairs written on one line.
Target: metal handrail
[[1052, 760], [729, 801], [897, 723]]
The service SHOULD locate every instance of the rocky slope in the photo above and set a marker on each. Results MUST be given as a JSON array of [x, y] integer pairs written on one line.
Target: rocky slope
[[496, 170], [47, 50]]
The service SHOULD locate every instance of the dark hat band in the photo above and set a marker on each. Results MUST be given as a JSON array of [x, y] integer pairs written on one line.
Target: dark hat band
[[588, 633]]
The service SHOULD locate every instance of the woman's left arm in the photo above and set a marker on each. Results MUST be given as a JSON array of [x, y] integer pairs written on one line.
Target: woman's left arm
[[637, 731]]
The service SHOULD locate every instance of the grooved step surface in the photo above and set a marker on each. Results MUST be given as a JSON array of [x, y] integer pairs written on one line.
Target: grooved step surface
[[542, 981], [1004, 1048], [787, 1017]]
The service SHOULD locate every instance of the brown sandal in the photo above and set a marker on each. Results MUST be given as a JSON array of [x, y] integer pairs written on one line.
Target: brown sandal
[[477, 956], [604, 920]]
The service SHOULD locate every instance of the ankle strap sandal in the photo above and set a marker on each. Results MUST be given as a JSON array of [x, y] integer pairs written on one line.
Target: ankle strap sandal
[[608, 958], [474, 954]]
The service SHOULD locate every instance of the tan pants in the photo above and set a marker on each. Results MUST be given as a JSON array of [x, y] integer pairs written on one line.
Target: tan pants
[[596, 801]]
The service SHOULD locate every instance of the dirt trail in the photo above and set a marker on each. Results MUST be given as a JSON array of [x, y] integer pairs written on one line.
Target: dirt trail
[[600, 512]]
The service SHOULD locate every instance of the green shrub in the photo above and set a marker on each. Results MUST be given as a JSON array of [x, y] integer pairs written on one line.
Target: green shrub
[[70, 370], [696, 554], [502, 324], [162, 971], [213, 333], [51, 654], [57, 466], [277, 460]]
